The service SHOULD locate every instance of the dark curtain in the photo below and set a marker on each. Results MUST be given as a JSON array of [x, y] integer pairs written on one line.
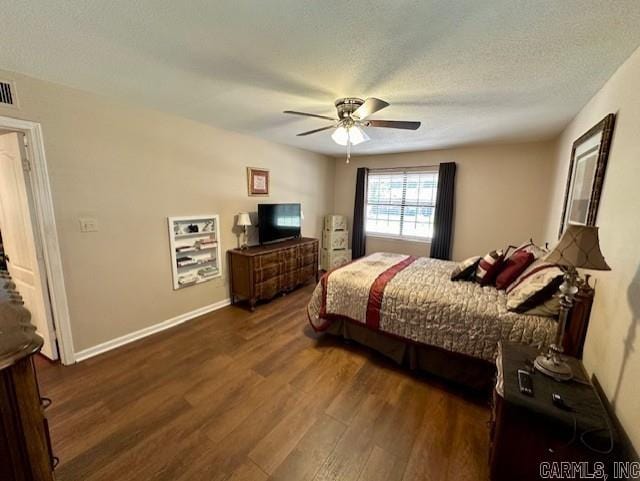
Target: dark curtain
[[358, 238], [443, 221]]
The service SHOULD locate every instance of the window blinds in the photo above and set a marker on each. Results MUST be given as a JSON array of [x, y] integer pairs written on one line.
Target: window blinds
[[401, 203]]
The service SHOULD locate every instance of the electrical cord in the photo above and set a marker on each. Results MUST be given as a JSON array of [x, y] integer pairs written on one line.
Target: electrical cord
[[574, 434], [609, 428], [583, 436]]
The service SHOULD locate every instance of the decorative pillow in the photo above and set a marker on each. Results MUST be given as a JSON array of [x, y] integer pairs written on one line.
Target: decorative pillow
[[537, 251], [488, 267], [466, 269], [513, 267], [535, 286]]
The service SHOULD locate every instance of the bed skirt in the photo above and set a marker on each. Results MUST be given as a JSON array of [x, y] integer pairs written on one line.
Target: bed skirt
[[466, 371]]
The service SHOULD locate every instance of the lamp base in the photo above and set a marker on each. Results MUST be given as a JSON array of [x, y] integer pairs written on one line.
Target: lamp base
[[554, 367]]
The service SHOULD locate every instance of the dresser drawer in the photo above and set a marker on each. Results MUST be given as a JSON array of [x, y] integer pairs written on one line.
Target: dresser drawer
[[306, 273], [289, 265], [288, 255], [289, 280], [266, 260], [308, 249], [266, 273], [268, 289], [308, 260]]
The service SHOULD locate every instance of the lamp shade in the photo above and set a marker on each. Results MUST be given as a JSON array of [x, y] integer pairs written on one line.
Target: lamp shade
[[354, 134], [579, 247], [357, 135], [244, 219]]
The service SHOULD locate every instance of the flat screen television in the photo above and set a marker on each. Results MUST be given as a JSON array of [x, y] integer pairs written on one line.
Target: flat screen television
[[277, 222]]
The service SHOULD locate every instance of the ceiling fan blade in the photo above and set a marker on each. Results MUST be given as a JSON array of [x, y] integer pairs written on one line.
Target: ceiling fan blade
[[370, 106], [308, 115], [309, 132], [394, 124]]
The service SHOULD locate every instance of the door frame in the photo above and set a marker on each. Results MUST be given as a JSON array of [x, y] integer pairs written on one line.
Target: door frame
[[45, 228]]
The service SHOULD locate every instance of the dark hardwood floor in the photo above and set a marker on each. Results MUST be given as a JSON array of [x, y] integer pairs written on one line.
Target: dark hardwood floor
[[247, 396]]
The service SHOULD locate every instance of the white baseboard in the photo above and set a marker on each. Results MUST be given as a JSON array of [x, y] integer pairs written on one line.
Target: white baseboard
[[148, 331]]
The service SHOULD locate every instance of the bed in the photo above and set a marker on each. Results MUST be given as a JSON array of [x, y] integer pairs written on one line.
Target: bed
[[408, 309]]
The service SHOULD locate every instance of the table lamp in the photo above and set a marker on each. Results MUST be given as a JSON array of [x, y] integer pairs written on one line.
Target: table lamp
[[579, 247], [244, 221]]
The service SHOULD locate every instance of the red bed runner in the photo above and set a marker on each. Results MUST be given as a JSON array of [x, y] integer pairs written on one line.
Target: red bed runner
[[376, 295]]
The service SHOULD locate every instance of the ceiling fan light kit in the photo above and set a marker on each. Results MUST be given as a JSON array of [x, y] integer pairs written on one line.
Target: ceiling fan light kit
[[354, 135], [352, 115]]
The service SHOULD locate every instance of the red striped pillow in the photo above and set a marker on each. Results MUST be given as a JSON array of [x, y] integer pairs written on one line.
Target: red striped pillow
[[488, 267], [513, 267]]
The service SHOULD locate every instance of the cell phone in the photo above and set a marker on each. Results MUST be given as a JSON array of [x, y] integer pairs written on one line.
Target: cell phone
[[525, 382]]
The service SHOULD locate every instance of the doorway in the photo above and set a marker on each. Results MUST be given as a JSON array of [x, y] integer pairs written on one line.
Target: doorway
[[22, 251], [29, 236]]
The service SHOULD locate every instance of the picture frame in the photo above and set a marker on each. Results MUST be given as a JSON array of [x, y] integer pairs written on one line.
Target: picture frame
[[585, 179], [257, 182]]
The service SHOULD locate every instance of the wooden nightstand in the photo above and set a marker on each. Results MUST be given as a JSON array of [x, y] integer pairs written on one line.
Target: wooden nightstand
[[528, 431]]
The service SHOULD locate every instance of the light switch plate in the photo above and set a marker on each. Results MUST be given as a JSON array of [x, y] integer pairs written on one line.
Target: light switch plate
[[88, 225]]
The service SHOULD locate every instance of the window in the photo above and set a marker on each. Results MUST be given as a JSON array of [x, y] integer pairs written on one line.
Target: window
[[401, 203]]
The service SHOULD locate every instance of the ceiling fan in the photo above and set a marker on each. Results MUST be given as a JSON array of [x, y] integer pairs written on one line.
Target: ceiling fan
[[352, 117]]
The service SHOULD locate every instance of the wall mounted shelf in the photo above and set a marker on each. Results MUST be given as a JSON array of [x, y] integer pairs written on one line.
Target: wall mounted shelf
[[186, 244]]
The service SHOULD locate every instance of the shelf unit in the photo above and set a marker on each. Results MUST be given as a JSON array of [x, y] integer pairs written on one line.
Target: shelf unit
[[202, 246]]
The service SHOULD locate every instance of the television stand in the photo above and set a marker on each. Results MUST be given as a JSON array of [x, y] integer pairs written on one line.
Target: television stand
[[262, 272]]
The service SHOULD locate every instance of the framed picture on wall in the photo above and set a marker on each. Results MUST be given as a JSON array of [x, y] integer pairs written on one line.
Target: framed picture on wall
[[257, 181], [586, 174]]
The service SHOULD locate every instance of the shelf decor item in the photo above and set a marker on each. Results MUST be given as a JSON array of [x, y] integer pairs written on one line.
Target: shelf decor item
[[195, 249], [578, 248], [244, 221], [586, 174], [257, 181]]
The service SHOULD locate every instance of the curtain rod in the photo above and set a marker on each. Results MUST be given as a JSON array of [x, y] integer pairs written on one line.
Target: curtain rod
[[405, 169]]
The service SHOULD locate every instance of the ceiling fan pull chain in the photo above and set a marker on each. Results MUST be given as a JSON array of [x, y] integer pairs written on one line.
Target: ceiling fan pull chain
[[348, 147]]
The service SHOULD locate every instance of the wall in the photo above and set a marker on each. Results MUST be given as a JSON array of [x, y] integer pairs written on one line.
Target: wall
[[612, 350], [501, 194], [130, 168]]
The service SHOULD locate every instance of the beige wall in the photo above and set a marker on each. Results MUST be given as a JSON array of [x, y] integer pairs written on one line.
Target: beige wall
[[130, 168], [612, 350], [501, 198]]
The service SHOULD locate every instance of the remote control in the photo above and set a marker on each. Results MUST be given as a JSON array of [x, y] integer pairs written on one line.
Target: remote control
[[525, 382]]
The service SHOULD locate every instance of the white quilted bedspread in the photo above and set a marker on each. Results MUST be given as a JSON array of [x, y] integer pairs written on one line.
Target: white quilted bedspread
[[422, 304]]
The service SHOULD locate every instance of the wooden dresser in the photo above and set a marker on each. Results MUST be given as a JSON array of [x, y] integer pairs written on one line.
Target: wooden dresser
[[261, 272], [25, 447]]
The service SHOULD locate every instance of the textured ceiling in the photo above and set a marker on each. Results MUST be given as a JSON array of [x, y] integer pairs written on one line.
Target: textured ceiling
[[471, 71]]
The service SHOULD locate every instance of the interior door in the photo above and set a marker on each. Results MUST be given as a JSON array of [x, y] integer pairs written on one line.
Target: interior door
[[25, 259]]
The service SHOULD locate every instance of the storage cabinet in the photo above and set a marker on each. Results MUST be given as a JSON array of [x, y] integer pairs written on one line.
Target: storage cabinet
[[335, 242], [260, 273], [335, 222], [331, 259]]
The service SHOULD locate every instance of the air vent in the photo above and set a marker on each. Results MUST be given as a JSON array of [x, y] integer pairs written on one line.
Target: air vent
[[7, 94]]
